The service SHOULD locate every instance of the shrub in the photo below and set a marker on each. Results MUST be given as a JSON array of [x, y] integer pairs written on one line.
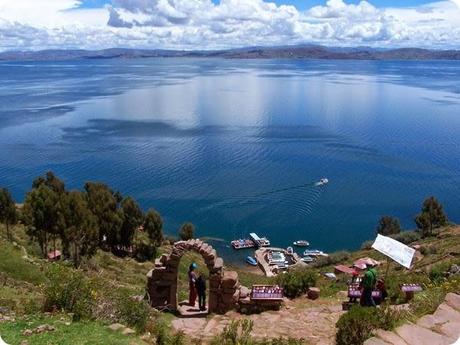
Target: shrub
[[132, 312], [297, 281], [68, 290], [367, 245], [144, 251], [407, 237], [186, 231], [162, 333], [357, 325]]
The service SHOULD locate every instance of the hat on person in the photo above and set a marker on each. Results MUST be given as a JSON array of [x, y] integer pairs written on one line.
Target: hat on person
[[193, 265]]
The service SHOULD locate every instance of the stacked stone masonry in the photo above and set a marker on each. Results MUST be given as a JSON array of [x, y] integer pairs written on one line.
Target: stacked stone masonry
[[224, 286]]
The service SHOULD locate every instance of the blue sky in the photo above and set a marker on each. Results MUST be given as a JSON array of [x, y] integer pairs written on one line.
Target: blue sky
[[220, 24]]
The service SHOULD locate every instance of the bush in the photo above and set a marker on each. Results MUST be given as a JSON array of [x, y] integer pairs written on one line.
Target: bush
[[296, 282], [439, 272], [144, 251], [407, 237], [68, 290], [357, 325], [162, 333], [186, 231], [367, 245], [132, 312]]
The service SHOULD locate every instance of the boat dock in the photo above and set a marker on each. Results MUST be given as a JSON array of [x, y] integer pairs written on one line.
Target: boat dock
[[259, 241]]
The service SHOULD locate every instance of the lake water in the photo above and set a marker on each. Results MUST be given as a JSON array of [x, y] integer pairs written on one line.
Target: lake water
[[236, 146]]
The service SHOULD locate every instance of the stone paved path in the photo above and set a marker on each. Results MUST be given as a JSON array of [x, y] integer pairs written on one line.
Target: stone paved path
[[313, 321], [440, 328]]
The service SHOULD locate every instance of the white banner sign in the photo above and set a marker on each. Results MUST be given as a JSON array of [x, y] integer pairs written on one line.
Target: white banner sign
[[398, 251]]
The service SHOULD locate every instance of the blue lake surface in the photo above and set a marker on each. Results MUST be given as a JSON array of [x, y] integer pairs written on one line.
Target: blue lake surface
[[235, 146]]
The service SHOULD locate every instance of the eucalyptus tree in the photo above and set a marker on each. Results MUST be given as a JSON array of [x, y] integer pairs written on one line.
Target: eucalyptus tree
[[133, 218], [80, 227], [153, 226], [432, 216], [104, 204], [8, 215]]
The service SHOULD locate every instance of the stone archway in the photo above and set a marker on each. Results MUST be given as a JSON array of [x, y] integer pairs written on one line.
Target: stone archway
[[224, 287]]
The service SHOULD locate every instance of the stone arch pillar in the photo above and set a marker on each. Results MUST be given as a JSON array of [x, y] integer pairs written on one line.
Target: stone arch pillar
[[224, 286]]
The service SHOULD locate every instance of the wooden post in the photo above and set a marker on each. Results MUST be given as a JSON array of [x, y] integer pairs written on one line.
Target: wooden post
[[388, 268]]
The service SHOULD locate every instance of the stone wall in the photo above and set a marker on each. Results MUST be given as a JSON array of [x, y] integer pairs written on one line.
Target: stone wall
[[224, 286]]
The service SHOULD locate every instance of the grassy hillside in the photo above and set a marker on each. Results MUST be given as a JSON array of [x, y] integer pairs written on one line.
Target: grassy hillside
[[113, 282]]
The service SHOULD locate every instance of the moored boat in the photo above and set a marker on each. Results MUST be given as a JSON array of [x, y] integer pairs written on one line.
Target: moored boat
[[307, 259], [251, 261], [301, 243], [314, 252], [243, 244]]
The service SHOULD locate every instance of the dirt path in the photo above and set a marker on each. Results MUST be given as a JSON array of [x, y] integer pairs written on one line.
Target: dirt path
[[313, 321]]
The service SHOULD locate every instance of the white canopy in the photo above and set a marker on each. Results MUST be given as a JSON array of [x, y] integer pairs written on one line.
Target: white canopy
[[398, 251]]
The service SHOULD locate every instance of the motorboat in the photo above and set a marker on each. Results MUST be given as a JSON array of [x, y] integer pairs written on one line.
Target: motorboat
[[243, 244], [301, 243], [322, 182], [307, 259], [251, 261], [314, 252]]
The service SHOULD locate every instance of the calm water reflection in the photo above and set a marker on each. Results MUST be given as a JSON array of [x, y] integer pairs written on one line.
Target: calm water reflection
[[221, 143]]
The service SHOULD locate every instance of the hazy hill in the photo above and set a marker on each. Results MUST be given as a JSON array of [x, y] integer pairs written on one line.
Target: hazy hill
[[282, 52]]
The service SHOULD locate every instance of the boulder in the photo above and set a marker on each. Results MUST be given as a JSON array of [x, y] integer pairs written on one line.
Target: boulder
[[244, 292], [313, 293], [116, 327], [453, 300], [230, 279], [128, 331]]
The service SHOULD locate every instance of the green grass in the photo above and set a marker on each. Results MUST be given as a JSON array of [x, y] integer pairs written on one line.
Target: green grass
[[13, 265], [77, 333]]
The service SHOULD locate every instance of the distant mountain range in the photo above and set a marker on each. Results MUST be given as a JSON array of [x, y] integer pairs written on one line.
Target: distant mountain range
[[281, 52]]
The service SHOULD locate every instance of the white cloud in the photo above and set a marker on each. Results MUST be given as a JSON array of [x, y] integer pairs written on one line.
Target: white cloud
[[201, 24]]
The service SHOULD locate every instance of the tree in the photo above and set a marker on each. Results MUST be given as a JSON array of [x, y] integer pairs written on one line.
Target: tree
[[388, 226], [103, 203], [187, 231], [153, 226], [50, 180], [8, 214], [57, 186], [133, 217], [41, 213], [431, 217], [80, 225]]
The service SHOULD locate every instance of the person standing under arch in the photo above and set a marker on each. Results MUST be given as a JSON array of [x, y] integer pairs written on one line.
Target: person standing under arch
[[192, 284]]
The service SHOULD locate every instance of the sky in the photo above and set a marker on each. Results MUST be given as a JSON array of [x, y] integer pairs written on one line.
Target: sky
[[221, 24]]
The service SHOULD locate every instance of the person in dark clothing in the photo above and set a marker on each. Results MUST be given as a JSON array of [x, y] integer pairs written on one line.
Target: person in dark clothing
[[201, 291], [383, 291], [191, 283]]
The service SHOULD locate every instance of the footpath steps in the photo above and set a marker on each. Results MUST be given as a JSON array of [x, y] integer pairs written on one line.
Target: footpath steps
[[440, 328]]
